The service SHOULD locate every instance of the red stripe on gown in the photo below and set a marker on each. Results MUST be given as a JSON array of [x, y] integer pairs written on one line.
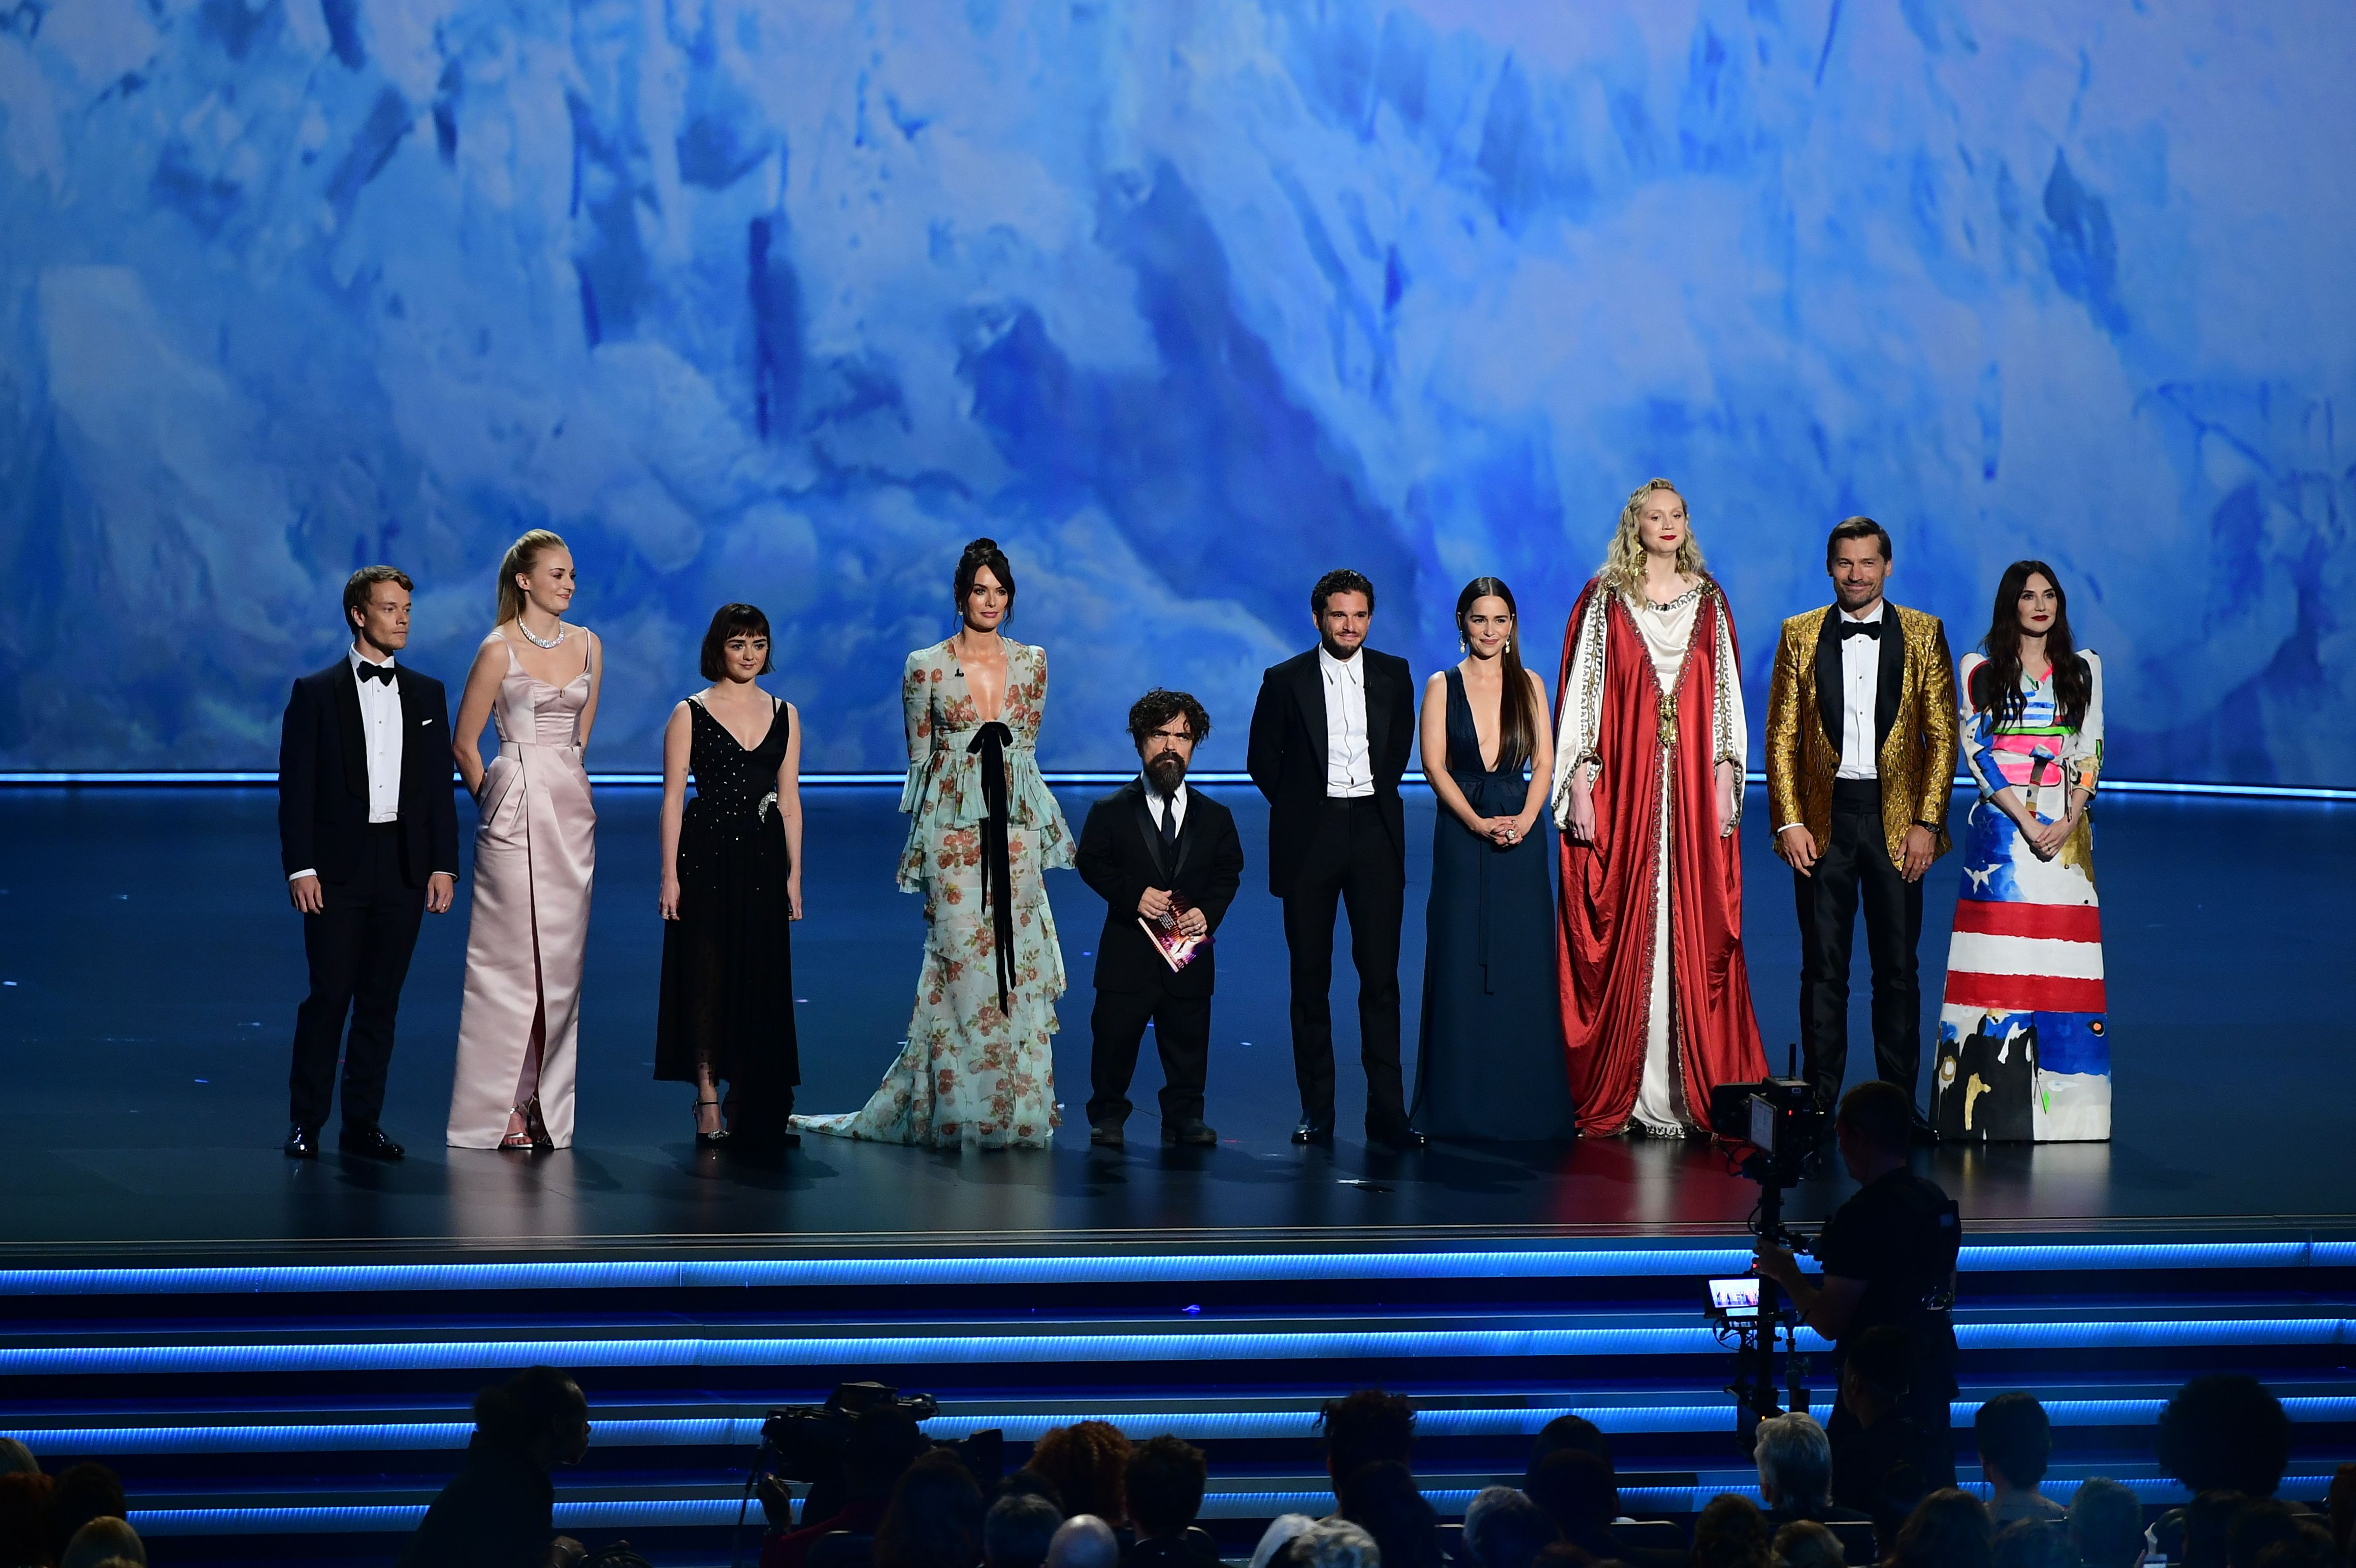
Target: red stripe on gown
[[2060, 922], [2024, 993], [1605, 919]]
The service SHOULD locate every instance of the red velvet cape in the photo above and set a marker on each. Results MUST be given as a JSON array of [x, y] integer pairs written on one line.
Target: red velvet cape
[[1604, 935]]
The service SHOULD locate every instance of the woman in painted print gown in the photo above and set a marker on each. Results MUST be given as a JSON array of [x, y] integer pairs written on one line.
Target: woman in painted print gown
[[1648, 789], [978, 1069]]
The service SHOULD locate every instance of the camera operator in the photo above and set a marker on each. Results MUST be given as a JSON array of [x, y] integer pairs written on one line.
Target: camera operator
[[882, 1443], [1888, 1257]]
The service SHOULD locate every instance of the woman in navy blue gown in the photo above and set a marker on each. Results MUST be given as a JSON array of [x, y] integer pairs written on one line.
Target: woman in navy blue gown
[[1491, 1064]]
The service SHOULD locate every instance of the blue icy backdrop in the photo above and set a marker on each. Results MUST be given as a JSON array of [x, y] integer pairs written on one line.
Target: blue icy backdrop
[[1185, 303]]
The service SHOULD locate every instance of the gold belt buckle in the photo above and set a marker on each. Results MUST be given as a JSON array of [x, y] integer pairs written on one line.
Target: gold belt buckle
[[1668, 720]]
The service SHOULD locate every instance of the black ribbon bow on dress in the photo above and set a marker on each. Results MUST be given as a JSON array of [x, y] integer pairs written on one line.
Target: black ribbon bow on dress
[[997, 868], [1871, 628]]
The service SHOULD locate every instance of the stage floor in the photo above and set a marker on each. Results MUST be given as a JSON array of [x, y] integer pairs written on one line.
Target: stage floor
[[152, 969]]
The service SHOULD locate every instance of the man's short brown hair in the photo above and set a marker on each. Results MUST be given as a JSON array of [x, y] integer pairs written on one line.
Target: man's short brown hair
[[1857, 528], [361, 584], [1159, 706], [1879, 1112]]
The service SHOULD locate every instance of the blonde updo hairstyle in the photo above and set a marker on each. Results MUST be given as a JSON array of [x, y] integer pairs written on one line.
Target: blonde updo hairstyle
[[1623, 563], [522, 556]]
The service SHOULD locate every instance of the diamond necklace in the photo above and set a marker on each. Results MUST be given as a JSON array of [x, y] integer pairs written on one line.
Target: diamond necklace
[[555, 641]]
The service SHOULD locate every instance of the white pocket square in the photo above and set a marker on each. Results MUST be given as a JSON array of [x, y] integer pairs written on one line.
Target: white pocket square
[[424, 722]]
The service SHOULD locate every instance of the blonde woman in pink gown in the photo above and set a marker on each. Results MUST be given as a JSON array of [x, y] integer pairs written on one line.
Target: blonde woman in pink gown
[[536, 678]]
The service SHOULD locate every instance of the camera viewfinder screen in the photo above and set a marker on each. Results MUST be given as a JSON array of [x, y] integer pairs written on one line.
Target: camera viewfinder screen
[[1735, 1298]]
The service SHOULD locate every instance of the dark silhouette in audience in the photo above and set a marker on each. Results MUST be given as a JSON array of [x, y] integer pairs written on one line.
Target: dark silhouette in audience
[[934, 1520], [500, 1510], [1165, 1481], [2016, 1443], [2224, 1432], [1366, 1427], [1086, 1463], [1017, 1529], [1504, 1529], [1731, 1533], [2107, 1525], [1949, 1529], [1381, 1499]]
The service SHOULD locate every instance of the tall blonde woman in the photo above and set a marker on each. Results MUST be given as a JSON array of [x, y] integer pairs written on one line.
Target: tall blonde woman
[[536, 680]]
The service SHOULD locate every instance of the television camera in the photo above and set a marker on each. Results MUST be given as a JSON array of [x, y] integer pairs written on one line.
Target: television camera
[[1778, 1130]]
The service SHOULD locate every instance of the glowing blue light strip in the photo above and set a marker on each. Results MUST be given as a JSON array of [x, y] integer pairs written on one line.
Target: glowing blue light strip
[[1196, 1426], [1085, 776], [1018, 1347], [1589, 1262]]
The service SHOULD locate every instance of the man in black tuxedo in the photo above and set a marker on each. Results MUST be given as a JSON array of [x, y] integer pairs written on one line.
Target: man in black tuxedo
[[1330, 737], [1147, 841], [368, 835]]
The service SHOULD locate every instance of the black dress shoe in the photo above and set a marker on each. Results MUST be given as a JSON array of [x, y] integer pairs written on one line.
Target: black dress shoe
[[1397, 1140], [1195, 1132], [370, 1143], [1108, 1135], [1314, 1132], [301, 1143]]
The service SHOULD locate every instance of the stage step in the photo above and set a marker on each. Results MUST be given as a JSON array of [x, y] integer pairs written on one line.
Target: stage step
[[307, 1414]]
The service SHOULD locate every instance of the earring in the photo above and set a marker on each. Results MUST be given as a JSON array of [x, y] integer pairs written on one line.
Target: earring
[[1461, 645]]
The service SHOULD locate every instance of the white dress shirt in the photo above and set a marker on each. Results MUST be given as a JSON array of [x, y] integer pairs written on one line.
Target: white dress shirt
[[380, 740], [1349, 759], [1177, 804], [1860, 660]]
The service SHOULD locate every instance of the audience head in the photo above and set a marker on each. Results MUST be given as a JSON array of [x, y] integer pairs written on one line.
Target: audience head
[[2205, 1519], [1575, 1489], [539, 1412], [25, 1517], [1365, 1428], [2015, 1439], [1017, 1529], [16, 1459], [1165, 1481], [2032, 1543], [2254, 1527], [2107, 1525], [1381, 1499], [1332, 1544], [885, 1440], [1083, 1540], [1873, 1124], [2309, 1546], [101, 1540], [1570, 1431], [1949, 1529], [1504, 1529], [1804, 1543], [82, 1493], [1796, 1463], [1084, 1462], [1730, 1533], [2224, 1432], [934, 1519]]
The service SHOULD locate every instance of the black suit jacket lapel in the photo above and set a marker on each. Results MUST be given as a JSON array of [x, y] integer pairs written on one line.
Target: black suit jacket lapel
[[1890, 681], [1829, 677], [1310, 685], [347, 688]]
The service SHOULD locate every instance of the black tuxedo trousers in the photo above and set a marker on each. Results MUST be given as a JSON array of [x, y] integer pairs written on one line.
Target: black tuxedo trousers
[[1352, 860], [358, 946]]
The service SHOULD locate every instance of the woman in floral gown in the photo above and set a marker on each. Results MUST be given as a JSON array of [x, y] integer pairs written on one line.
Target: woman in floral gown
[[976, 1069]]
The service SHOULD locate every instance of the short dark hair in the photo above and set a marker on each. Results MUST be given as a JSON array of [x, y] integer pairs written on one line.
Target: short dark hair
[[732, 620], [1509, 1533], [2014, 1436], [2224, 1432], [1364, 1427], [1567, 1431], [1159, 706], [1731, 1533], [1017, 1529], [518, 1411], [1340, 580], [1949, 1529], [2107, 1524], [980, 553], [1857, 528], [361, 584], [1164, 1479], [1879, 1111]]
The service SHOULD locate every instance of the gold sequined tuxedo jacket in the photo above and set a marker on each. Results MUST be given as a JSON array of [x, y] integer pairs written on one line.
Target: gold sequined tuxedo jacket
[[1915, 726]]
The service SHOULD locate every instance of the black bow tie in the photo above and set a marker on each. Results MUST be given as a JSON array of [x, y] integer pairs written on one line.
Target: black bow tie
[[1871, 628], [376, 672]]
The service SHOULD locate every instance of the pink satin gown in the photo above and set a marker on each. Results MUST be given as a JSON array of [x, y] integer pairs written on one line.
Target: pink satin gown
[[535, 856]]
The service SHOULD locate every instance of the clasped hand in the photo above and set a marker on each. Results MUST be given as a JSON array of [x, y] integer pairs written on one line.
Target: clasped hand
[[1156, 904], [2046, 839]]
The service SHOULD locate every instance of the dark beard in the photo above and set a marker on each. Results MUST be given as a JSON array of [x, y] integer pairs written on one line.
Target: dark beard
[[1166, 772]]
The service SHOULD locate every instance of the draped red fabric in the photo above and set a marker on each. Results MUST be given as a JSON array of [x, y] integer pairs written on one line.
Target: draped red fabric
[[1603, 951]]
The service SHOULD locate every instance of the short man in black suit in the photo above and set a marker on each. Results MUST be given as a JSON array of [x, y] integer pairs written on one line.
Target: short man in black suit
[[368, 835], [1330, 737], [1147, 840]]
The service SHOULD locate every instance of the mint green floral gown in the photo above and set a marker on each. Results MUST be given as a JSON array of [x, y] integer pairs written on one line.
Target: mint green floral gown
[[970, 1075]]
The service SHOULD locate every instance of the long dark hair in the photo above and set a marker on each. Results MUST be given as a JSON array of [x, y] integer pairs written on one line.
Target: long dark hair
[[1996, 685], [1517, 715]]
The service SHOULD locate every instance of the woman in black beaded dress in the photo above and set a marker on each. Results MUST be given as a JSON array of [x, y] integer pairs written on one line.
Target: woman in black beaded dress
[[732, 871]]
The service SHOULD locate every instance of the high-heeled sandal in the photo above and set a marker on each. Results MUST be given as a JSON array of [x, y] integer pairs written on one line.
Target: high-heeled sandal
[[542, 1143], [520, 1138], [716, 1136]]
